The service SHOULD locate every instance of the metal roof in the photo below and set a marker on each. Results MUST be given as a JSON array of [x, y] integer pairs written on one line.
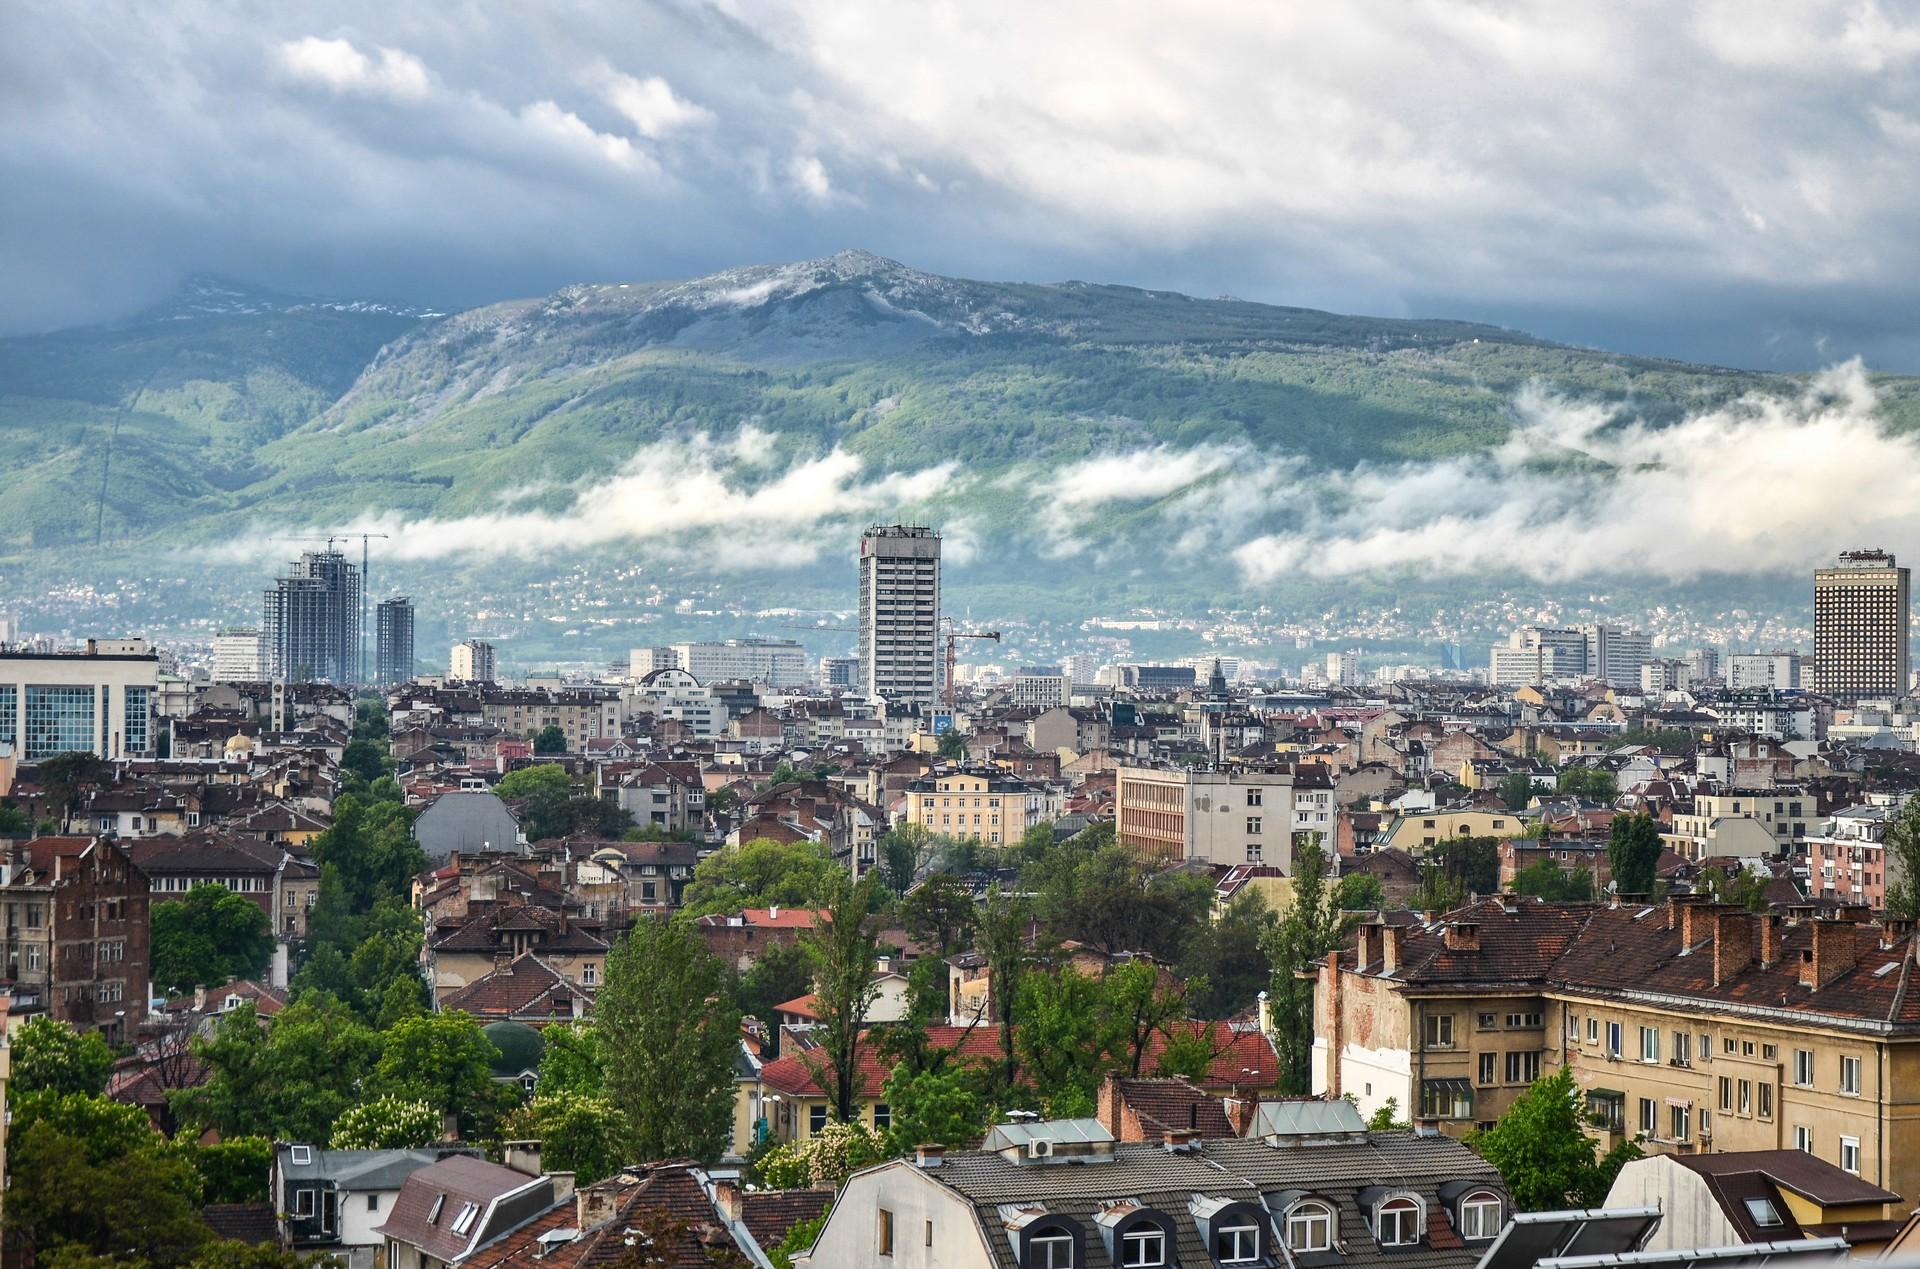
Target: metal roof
[[1054, 1130], [1532, 1238], [1306, 1118], [1802, 1251]]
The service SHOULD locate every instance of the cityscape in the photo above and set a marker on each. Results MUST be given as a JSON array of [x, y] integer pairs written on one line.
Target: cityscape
[[735, 633]]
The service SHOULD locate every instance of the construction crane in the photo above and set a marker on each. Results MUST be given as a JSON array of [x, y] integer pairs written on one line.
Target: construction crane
[[330, 539], [953, 636]]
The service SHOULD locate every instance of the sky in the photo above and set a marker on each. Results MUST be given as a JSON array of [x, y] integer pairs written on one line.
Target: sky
[[1730, 182]]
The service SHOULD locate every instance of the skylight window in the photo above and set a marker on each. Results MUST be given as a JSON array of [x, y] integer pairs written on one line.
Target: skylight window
[[433, 1213], [1763, 1213], [303, 1154], [464, 1221]]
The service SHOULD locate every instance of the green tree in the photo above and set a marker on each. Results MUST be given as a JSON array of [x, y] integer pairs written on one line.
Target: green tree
[[1740, 886], [386, 1122], [940, 911], [783, 972], [1591, 783], [107, 1129], [1544, 879], [1516, 790], [584, 1135], [64, 775], [1901, 847], [572, 1061], [51, 1056], [231, 1171], [943, 1107], [903, 851], [671, 1038], [1227, 961], [1137, 1006], [1112, 900], [1548, 1162], [842, 947], [761, 874], [543, 777], [367, 759], [366, 854], [1633, 851], [70, 1196], [1063, 1038], [952, 746], [1312, 928], [12, 818], [208, 937], [446, 1061], [1003, 942], [1387, 1118], [289, 1083], [550, 739], [1190, 1051], [1472, 864], [1359, 892]]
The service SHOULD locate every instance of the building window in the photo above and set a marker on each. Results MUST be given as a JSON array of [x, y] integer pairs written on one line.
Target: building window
[[1649, 1044], [1051, 1251], [1613, 1039], [373, 1202], [1850, 1155], [1649, 1122], [1253, 797], [1726, 1093], [886, 1232], [303, 1201], [1253, 852], [1850, 1076], [1439, 1031], [816, 1120], [1480, 1216], [1487, 1067], [1803, 1067], [1523, 1021], [1766, 1101], [1309, 1228], [59, 720], [1681, 1121], [1683, 1048], [1593, 1030], [1142, 1249], [1253, 826], [882, 1116], [1399, 1223], [1803, 1138], [1523, 1068]]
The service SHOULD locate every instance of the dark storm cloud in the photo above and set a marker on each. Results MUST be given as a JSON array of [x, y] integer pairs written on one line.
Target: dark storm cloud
[[1734, 181]]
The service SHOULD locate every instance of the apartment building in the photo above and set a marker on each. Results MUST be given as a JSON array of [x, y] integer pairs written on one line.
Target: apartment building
[[473, 661], [1224, 815], [580, 715], [1701, 1027], [99, 700], [1743, 823], [900, 613], [76, 926], [775, 662], [1861, 610], [990, 807], [1847, 860]]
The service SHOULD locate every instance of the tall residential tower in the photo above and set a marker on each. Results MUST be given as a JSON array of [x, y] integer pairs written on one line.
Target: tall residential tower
[[311, 623], [1860, 614], [393, 641], [900, 613]]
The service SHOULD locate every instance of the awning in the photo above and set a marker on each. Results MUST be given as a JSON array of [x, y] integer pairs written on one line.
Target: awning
[[1607, 1094], [1453, 1087]]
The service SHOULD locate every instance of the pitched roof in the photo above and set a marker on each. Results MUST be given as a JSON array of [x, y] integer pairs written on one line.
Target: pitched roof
[[1174, 1105], [769, 1214], [526, 989], [448, 1208], [253, 1223]]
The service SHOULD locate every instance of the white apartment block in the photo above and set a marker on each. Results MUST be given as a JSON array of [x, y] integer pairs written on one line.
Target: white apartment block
[[472, 661], [900, 613], [1240, 815], [1780, 671], [237, 657], [1042, 691], [777, 663], [99, 701]]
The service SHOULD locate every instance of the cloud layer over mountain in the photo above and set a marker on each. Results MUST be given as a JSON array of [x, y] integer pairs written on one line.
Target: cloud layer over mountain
[[1729, 180]]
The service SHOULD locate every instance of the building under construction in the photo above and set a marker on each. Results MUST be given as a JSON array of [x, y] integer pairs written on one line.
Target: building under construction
[[310, 623]]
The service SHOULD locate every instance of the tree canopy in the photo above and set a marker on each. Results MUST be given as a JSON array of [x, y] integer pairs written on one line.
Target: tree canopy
[[1633, 851], [208, 937], [52, 1056], [761, 874], [1547, 1160]]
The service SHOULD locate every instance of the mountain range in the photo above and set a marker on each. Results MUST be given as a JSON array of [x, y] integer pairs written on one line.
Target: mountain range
[[228, 409]]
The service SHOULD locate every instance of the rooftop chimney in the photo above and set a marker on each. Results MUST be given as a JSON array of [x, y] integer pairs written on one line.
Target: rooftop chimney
[[1894, 929], [1463, 936], [595, 1205], [521, 1156], [1696, 921], [1369, 944], [1732, 944], [1240, 1112], [1770, 938], [726, 1197], [929, 1155], [1830, 953], [1393, 947], [1179, 1140]]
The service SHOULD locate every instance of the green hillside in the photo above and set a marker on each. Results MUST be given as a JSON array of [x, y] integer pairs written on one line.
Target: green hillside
[[213, 414]]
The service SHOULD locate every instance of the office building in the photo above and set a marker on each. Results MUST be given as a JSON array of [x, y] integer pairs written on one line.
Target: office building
[[1703, 663], [393, 641], [1780, 671], [1083, 666], [1041, 691], [1667, 674], [1236, 815], [99, 700], [1861, 609], [900, 613], [1615, 655], [1149, 678], [472, 661], [1537, 654], [311, 626], [238, 657], [775, 662], [839, 671], [644, 661], [1343, 668]]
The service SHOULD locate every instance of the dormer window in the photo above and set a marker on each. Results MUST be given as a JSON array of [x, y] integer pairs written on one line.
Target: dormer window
[[1309, 1228], [1050, 1251], [1398, 1224], [1143, 1249], [1480, 1215], [302, 1154], [1240, 1244]]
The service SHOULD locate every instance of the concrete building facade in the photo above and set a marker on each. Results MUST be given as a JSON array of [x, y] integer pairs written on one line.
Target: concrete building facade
[[900, 613]]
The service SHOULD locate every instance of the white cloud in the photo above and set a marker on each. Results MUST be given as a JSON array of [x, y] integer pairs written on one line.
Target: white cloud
[[719, 498], [1767, 484], [562, 127], [340, 66], [649, 104], [809, 176]]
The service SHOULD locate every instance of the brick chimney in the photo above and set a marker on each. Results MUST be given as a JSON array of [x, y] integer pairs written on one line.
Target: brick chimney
[[1240, 1113], [595, 1205], [1696, 921], [726, 1197], [1463, 936], [1732, 944], [1893, 930], [1393, 947], [1677, 906], [1368, 943], [1831, 953], [1770, 937]]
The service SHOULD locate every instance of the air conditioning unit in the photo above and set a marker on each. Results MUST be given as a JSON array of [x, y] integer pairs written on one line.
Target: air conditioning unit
[[1040, 1148]]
